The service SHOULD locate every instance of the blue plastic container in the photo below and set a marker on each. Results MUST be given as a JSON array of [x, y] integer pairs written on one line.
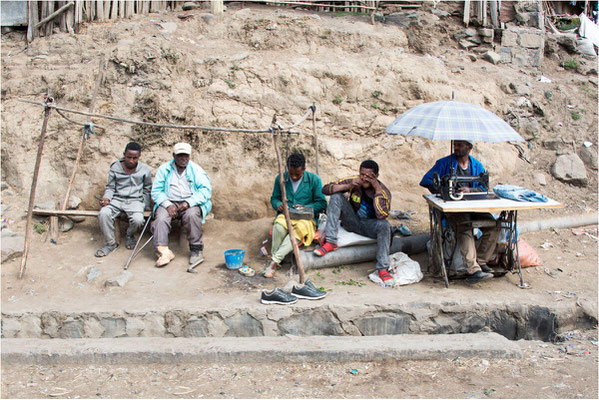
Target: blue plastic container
[[234, 258]]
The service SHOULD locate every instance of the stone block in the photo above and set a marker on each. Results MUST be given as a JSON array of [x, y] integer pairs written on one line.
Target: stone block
[[216, 326], [588, 156], [446, 324], [196, 328], [119, 280], [506, 55], [113, 327], [472, 324], [530, 128], [10, 327], [243, 325], [92, 328], [569, 168], [492, 57], [174, 322], [154, 326], [532, 40], [310, 323], [505, 324], [509, 39], [134, 326], [384, 324], [71, 329], [31, 327], [540, 323], [51, 323], [12, 246]]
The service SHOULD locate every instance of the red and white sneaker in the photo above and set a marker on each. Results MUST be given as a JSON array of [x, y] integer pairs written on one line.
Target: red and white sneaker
[[386, 277], [325, 248]]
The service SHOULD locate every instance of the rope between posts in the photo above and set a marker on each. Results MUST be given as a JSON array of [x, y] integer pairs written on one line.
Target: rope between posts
[[156, 125], [78, 123]]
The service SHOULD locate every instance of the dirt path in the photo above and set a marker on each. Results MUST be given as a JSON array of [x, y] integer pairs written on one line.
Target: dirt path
[[562, 370]]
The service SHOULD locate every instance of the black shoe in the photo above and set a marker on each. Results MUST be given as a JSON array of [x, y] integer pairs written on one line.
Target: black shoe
[[486, 268], [277, 296], [308, 291], [479, 276]]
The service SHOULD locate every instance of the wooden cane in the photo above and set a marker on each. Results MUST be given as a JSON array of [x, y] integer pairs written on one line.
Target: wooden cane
[[36, 170], [296, 253], [315, 136], [81, 145]]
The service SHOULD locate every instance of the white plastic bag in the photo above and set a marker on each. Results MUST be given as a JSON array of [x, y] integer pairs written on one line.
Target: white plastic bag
[[402, 268]]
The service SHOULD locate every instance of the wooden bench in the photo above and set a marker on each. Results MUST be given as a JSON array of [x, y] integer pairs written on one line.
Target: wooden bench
[[94, 213]]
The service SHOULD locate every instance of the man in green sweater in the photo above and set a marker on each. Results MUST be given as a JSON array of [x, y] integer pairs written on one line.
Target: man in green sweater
[[302, 188]]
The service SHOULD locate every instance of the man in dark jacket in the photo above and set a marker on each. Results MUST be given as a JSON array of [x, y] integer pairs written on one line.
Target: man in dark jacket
[[365, 212], [463, 164]]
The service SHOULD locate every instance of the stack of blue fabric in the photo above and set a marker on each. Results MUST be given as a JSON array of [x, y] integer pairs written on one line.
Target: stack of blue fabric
[[518, 193]]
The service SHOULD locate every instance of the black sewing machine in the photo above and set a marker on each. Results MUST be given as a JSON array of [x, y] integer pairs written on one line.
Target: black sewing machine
[[447, 185]]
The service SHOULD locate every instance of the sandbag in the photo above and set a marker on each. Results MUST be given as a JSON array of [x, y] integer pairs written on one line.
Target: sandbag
[[528, 256]]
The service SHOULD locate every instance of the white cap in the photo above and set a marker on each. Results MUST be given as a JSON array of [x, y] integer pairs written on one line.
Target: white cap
[[182, 148]]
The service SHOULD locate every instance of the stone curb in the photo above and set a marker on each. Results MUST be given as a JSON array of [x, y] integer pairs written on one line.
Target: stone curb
[[254, 350]]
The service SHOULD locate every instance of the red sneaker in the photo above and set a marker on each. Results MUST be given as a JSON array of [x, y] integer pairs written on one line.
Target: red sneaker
[[386, 277], [325, 248]]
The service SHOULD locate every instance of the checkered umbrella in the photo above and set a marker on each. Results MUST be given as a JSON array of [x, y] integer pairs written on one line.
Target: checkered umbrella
[[453, 120]]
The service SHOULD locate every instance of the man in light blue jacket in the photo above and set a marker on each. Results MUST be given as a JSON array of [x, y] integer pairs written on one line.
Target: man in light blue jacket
[[181, 190]]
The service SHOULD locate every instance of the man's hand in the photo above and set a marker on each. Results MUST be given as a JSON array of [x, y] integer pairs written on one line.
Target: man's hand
[[355, 183], [463, 190], [172, 211], [183, 206], [280, 208], [370, 178], [104, 202]]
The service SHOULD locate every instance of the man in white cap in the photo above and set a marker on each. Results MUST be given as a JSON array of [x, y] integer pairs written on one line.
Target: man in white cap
[[181, 190], [463, 164]]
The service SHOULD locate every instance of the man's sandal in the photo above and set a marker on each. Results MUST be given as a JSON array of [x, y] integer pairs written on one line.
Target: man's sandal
[[270, 269], [130, 242], [106, 250]]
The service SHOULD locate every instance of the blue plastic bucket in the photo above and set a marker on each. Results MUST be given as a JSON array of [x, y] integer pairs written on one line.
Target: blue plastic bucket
[[234, 258]]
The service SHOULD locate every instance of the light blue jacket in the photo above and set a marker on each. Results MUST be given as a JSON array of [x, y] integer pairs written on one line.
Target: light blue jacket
[[198, 181]]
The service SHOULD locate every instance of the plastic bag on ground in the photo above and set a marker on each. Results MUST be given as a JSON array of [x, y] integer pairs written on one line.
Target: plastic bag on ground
[[528, 256], [403, 269]]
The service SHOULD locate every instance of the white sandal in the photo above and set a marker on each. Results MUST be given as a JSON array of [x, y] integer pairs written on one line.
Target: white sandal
[[246, 271]]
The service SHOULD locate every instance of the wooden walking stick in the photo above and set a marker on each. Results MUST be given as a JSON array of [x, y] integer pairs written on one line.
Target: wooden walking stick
[[84, 136], [40, 148], [275, 135]]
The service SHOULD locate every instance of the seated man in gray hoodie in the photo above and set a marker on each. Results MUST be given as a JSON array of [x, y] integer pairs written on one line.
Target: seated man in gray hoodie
[[127, 192]]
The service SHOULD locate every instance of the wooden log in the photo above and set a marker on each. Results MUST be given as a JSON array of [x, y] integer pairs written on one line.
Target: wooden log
[[114, 7], [494, 15], [484, 13], [466, 12], [54, 15], [77, 16], [121, 9], [62, 23], [216, 7], [73, 213], [70, 20], [32, 20], [100, 10], [36, 169], [107, 4], [49, 11], [315, 136], [130, 8], [296, 253], [146, 6]]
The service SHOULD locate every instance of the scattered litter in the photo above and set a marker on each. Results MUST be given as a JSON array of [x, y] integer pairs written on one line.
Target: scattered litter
[[403, 230], [579, 255], [560, 124], [488, 392], [399, 214], [186, 391], [31, 292], [263, 252], [570, 106], [62, 392], [587, 144], [543, 79], [578, 232], [546, 245], [591, 236], [12, 299], [551, 274], [353, 371]]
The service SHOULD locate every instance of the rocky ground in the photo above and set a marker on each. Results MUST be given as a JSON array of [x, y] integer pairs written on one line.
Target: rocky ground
[[238, 71]]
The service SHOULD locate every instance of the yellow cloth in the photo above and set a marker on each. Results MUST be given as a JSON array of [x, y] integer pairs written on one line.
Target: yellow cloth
[[304, 229]]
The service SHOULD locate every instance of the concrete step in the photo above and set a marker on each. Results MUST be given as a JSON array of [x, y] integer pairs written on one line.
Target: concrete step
[[258, 350]]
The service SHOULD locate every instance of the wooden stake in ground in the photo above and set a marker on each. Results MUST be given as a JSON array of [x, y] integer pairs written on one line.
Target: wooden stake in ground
[[40, 148], [298, 260], [80, 151], [315, 136]]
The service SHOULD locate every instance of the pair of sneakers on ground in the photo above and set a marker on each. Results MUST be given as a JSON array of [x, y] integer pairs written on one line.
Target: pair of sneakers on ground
[[278, 296], [326, 247]]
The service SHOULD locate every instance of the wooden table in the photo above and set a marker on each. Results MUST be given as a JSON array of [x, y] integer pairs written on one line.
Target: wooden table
[[508, 210]]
